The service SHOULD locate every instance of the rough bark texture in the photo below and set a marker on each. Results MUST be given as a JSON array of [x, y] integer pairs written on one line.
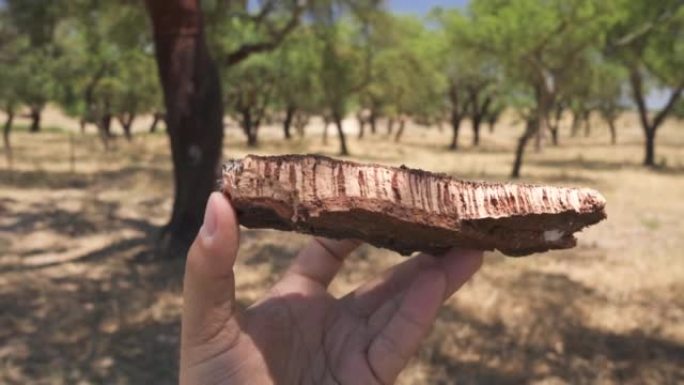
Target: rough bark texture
[[403, 209], [194, 114]]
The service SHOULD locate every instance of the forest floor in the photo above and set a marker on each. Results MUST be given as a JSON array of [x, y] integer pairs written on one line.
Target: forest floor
[[84, 300]]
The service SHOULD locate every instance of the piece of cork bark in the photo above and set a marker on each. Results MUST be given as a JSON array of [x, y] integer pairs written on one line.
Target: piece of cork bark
[[403, 209]]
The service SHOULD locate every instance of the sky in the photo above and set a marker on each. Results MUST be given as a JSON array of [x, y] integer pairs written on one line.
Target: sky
[[422, 7]]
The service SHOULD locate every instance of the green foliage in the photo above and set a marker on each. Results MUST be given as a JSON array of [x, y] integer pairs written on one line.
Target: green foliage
[[678, 110], [108, 67], [406, 78], [344, 67], [297, 68], [250, 84], [538, 43], [10, 68]]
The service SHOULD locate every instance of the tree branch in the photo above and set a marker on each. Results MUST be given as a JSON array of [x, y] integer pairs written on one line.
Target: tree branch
[[674, 98], [275, 37], [638, 94]]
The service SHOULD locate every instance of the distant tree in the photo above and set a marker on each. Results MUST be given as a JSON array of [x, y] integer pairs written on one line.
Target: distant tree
[[37, 20], [107, 71], [136, 89], [648, 40], [39, 83], [493, 114], [473, 73], [192, 91], [405, 75], [297, 84], [251, 88], [609, 81], [537, 42], [344, 71], [11, 45]]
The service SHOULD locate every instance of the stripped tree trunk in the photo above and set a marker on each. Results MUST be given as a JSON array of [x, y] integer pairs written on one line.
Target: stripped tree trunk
[[194, 114]]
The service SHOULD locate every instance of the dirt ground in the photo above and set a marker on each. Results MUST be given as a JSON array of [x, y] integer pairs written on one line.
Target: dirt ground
[[83, 300]]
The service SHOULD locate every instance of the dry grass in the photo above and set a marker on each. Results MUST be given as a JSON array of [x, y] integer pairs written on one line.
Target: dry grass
[[84, 301]]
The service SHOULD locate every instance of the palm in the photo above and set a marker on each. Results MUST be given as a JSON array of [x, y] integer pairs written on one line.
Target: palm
[[299, 333], [318, 339]]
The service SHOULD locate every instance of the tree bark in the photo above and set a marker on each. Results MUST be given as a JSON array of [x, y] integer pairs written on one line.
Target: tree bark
[[456, 119], [326, 123], [477, 121], [287, 123], [249, 127], [343, 141], [538, 140], [649, 157], [554, 135], [400, 130], [555, 127], [373, 122], [650, 127], [300, 122], [613, 131], [35, 114], [478, 112], [586, 117], [126, 124], [531, 128], [7, 128], [362, 124], [576, 123], [405, 210], [106, 124], [390, 126], [194, 114], [156, 117], [103, 131]]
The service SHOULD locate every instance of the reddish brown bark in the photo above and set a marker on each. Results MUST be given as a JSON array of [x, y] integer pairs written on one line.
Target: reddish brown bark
[[405, 210], [194, 113]]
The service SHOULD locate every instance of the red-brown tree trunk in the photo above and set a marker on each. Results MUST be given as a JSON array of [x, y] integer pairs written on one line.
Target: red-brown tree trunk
[[287, 123], [156, 117], [35, 115], [649, 156], [400, 130], [194, 114], [477, 122], [456, 119], [340, 132], [613, 131], [531, 129], [362, 124], [126, 122]]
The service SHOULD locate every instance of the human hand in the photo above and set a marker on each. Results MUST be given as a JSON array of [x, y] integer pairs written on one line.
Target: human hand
[[299, 333]]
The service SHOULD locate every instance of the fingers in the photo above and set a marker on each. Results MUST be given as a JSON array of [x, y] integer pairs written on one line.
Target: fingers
[[209, 283], [391, 349], [321, 259], [371, 295], [425, 284], [457, 265]]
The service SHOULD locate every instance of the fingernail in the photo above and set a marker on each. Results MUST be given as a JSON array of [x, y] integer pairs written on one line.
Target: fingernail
[[209, 225]]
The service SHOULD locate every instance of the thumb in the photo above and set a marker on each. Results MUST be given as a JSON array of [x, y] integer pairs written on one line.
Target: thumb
[[209, 285]]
